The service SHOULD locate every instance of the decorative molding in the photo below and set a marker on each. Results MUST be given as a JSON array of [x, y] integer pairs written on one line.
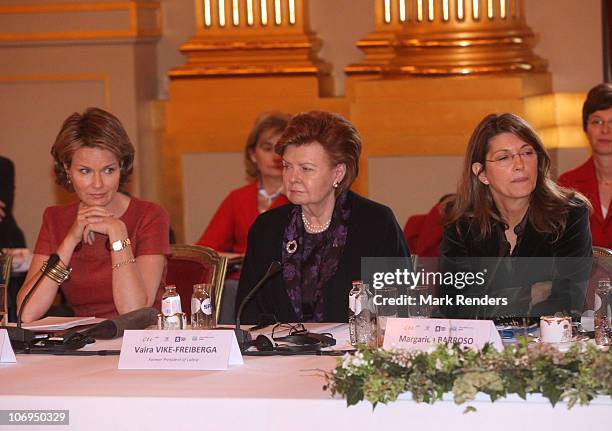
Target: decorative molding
[[448, 37], [251, 38], [102, 77], [139, 19]]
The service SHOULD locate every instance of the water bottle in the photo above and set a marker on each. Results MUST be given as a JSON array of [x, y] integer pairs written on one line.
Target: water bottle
[[202, 309], [362, 315], [171, 307], [603, 314]]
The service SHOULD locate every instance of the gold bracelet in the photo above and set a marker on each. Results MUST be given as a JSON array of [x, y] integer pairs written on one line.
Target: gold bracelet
[[57, 272], [125, 262]]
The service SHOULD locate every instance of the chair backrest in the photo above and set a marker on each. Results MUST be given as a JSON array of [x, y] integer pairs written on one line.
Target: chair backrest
[[5, 278], [194, 264], [603, 258], [602, 268]]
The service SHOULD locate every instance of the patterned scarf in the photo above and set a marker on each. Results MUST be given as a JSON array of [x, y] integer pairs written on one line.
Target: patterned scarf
[[309, 261]]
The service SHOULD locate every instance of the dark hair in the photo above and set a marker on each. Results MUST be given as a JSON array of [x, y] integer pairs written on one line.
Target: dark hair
[[549, 202], [95, 128], [267, 121], [336, 135], [598, 98]]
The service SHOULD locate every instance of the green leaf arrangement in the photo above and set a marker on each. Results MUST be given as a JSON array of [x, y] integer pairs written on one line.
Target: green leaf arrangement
[[379, 376]]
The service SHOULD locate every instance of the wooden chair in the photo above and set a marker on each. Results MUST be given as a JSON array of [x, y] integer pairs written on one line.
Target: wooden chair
[[194, 264], [602, 268], [5, 279]]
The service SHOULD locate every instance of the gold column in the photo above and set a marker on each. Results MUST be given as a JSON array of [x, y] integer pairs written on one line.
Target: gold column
[[251, 37], [449, 37]]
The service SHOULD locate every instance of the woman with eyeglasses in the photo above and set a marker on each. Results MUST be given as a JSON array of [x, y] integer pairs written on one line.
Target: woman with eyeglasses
[[594, 177], [508, 206]]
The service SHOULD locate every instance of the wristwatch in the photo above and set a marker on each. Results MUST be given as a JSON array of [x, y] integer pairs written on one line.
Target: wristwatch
[[120, 244]]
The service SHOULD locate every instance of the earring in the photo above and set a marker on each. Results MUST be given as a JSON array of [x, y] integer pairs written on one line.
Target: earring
[[336, 184]]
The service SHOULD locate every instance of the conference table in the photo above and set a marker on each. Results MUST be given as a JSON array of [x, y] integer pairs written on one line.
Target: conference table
[[266, 393]]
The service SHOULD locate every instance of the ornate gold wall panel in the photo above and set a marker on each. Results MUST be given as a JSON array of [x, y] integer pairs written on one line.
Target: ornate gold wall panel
[[448, 37], [80, 21], [251, 37], [419, 116]]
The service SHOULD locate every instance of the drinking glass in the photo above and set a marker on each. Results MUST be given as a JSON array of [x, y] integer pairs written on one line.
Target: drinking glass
[[384, 310]]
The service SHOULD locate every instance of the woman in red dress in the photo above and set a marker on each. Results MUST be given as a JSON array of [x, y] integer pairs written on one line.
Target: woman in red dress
[[228, 229], [112, 247]]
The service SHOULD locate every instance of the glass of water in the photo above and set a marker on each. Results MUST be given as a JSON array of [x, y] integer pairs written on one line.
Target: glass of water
[[385, 308]]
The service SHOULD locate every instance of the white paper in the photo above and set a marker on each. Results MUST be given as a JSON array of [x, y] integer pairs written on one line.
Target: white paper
[[425, 334], [179, 350], [60, 323], [6, 350]]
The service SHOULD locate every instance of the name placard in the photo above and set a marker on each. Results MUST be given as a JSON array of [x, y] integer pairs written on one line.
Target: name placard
[[425, 334], [179, 350], [6, 350]]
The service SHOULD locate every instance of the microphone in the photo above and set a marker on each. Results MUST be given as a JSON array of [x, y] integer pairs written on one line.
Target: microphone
[[21, 338], [244, 337], [114, 328]]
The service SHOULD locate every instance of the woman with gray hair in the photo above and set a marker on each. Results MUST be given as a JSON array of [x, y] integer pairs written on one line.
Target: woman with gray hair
[[319, 238]]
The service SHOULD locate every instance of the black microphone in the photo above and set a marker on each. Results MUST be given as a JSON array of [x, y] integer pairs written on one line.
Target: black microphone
[[21, 338], [141, 318], [244, 337]]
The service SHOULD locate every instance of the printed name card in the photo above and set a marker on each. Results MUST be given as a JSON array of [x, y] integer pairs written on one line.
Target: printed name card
[[425, 334], [179, 350], [6, 350]]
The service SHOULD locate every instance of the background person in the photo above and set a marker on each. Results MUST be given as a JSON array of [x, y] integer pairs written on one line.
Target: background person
[[229, 227], [321, 237], [112, 247], [12, 240], [594, 177], [508, 206]]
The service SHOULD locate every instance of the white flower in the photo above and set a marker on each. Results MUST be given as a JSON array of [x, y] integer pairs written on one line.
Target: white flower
[[438, 364]]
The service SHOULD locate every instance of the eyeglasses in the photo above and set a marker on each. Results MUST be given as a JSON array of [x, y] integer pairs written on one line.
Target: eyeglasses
[[599, 122], [297, 329], [505, 160]]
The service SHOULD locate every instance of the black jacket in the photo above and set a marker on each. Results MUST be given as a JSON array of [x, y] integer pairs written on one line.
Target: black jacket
[[10, 234], [372, 232], [537, 257]]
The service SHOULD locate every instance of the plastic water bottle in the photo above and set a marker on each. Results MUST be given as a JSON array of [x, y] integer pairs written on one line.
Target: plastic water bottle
[[170, 307], [603, 314], [202, 309]]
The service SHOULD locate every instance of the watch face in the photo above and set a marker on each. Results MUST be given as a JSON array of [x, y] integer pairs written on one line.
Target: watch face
[[117, 246]]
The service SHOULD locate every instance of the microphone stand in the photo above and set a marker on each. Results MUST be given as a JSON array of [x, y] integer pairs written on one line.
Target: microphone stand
[[244, 337], [21, 338]]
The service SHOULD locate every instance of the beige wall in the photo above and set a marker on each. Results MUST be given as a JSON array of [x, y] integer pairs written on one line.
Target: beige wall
[[570, 39]]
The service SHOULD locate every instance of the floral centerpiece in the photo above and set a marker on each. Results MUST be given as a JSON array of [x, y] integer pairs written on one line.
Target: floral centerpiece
[[380, 376]]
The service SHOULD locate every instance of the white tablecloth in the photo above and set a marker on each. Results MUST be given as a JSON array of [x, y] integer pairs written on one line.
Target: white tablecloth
[[266, 393]]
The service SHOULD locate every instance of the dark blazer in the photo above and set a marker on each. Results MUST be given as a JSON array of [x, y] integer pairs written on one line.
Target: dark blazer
[[372, 232], [10, 234], [566, 262]]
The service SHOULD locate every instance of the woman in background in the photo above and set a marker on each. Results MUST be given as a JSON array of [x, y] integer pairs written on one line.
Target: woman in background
[[228, 229], [594, 177], [112, 247]]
